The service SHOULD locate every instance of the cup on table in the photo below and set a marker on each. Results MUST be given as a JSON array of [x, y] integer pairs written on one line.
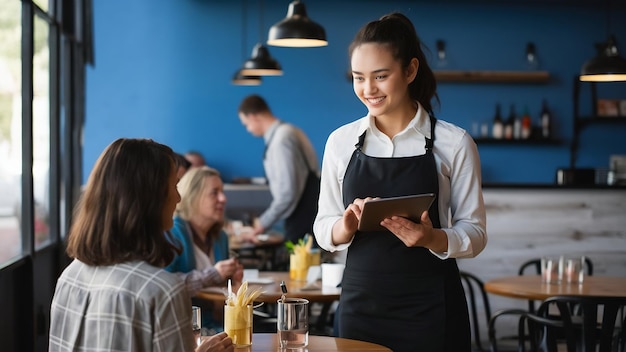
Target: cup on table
[[238, 324], [196, 323], [292, 323], [298, 266], [332, 274], [315, 256], [300, 262], [551, 270], [573, 270]]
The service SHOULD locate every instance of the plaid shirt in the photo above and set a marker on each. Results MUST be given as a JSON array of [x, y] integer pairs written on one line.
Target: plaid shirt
[[125, 307]]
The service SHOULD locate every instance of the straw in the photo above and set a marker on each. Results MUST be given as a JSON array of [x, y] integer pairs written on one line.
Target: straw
[[308, 242], [283, 288], [230, 292]]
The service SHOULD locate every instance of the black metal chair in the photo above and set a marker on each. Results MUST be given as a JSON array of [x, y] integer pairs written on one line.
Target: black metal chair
[[536, 264], [475, 291], [596, 325]]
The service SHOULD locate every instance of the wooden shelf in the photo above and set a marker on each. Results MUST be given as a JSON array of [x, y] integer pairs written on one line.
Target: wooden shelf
[[586, 120], [492, 76]]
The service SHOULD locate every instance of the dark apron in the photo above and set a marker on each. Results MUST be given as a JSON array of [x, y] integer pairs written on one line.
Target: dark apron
[[404, 298]]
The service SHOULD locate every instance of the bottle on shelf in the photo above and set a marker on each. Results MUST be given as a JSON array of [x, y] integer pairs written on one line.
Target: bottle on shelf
[[526, 124], [510, 124], [517, 127], [497, 131], [546, 121], [532, 62]]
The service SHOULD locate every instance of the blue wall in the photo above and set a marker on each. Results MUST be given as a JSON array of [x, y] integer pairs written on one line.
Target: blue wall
[[163, 68]]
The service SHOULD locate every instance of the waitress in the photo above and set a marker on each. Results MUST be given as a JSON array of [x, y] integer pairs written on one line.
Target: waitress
[[401, 287]]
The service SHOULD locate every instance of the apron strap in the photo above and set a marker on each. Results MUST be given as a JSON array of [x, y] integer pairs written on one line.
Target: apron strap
[[430, 141], [359, 144], [269, 140]]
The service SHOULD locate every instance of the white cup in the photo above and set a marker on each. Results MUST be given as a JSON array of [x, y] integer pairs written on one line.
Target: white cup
[[250, 274], [332, 274]]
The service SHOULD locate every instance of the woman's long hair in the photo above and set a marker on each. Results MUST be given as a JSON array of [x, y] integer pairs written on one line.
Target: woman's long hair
[[119, 217]]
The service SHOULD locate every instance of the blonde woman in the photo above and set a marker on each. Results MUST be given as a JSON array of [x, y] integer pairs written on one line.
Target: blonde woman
[[198, 229]]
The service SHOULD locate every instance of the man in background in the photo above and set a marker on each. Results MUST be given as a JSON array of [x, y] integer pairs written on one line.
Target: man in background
[[195, 158], [291, 168]]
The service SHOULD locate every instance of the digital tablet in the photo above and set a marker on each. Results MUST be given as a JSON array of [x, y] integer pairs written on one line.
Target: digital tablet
[[410, 207]]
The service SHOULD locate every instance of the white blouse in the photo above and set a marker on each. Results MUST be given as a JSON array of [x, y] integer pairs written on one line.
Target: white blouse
[[461, 206]]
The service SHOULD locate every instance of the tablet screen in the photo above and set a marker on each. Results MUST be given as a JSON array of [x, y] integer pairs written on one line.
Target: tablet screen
[[410, 207]]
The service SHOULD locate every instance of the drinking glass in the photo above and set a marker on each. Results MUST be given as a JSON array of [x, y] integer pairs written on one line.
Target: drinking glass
[[573, 270], [238, 324], [298, 266], [293, 323], [196, 323], [551, 270]]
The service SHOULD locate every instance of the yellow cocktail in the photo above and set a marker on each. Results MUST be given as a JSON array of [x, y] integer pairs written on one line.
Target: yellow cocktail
[[238, 324]]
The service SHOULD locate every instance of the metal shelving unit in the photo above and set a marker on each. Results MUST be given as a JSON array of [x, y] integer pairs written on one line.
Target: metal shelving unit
[[580, 121]]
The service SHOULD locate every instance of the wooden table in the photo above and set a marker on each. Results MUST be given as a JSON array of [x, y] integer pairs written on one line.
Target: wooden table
[[269, 342], [531, 287], [262, 255], [272, 292]]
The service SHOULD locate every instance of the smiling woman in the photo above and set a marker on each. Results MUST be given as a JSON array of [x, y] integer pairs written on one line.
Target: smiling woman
[[399, 148]]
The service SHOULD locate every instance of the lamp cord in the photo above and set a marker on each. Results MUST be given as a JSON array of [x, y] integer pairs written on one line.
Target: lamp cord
[[244, 19], [608, 17], [261, 21]]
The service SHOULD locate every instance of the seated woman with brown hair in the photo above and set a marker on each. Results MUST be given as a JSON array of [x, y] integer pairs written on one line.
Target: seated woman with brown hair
[[115, 295]]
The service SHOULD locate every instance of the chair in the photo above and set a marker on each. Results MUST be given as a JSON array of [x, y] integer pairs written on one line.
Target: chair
[[536, 263], [595, 327], [475, 290]]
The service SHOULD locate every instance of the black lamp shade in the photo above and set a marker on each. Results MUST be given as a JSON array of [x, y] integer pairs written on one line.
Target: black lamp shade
[[606, 66], [243, 80], [261, 63], [297, 30]]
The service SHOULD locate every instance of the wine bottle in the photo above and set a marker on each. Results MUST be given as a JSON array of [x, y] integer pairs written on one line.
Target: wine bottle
[[546, 121], [498, 126], [510, 123], [526, 124]]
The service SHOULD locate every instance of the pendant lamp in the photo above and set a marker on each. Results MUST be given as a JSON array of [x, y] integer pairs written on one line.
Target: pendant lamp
[[297, 30], [240, 79], [606, 66], [243, 80], [261, 63]]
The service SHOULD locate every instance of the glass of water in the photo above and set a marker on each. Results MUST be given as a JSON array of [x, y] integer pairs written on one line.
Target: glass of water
[[293, 323], [196, 323]]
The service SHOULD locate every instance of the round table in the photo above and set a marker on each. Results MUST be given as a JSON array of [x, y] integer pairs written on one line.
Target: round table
[[269, 342], [531, 287], [271, 290]]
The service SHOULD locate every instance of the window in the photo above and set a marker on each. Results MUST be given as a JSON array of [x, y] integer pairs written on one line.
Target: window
[[41, 133], [45, 45], [10, 129]]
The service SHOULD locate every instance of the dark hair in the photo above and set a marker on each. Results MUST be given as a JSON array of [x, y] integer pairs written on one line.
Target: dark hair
[[397, 32], [119, 217], [253, 104], [181, 161]]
